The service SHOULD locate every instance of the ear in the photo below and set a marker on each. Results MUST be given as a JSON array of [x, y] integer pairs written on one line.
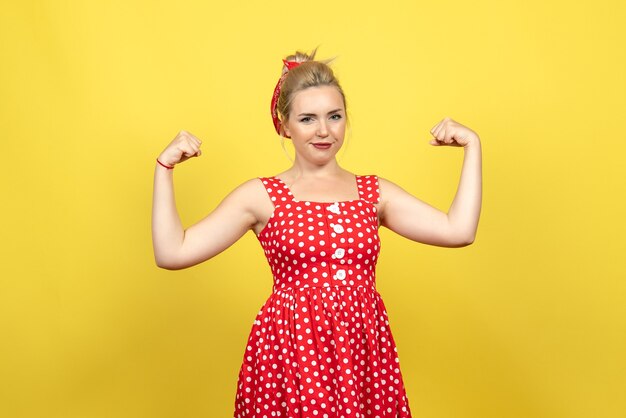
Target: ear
[[286, 130]]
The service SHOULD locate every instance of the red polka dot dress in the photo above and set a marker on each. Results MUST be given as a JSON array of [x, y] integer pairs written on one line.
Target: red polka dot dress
[[321, 346]]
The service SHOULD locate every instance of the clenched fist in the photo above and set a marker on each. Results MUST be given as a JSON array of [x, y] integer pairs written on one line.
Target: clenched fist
[[183, 147], [452, 133]]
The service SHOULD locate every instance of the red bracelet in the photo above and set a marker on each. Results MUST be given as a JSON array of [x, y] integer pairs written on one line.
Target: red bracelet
[[166, 166]]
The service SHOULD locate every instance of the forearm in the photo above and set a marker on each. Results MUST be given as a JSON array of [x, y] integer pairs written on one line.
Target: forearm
[[167, 228], [465, 209]]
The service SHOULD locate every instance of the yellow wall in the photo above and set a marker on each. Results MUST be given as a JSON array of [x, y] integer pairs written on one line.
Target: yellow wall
[[528, 322]]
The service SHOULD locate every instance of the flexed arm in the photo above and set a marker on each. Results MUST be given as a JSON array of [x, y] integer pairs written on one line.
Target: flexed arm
[[465, 209], [414, 219], [176, 248]]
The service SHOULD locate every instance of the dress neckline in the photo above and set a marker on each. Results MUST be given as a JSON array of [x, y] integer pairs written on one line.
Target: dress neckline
[[293, 198]]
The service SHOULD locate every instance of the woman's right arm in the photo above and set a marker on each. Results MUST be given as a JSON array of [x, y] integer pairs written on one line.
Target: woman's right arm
[[176, 248]]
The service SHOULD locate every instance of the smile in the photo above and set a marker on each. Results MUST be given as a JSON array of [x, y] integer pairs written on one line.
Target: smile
[[322, 145]]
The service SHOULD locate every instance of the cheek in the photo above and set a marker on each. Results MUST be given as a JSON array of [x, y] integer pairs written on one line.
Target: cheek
[[340, 129], [302, 128]]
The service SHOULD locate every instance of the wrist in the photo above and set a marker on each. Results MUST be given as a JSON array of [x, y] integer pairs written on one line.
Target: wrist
[[474, 142], [164, 164]]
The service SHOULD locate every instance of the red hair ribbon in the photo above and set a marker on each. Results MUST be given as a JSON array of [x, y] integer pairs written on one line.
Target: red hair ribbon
[[289, 65]]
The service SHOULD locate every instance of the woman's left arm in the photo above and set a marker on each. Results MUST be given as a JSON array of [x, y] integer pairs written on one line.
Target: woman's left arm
[[412, 218]]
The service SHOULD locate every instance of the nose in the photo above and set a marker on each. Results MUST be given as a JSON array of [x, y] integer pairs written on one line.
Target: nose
[[322, 130]]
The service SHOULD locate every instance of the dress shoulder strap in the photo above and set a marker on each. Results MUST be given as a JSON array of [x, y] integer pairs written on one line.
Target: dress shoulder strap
[[368, 188], [277, 190]]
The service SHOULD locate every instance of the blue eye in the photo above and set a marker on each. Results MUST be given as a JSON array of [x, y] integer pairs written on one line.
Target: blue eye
[[308, 118]]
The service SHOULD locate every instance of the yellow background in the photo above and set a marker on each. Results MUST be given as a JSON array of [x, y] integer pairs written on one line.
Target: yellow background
[[528, 322]]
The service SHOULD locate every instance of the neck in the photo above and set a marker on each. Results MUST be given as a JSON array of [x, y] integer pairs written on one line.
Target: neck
[[306, 169]]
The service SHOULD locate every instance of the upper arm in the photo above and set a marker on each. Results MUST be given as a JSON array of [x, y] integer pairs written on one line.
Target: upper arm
[[229, 221], [414, 219]]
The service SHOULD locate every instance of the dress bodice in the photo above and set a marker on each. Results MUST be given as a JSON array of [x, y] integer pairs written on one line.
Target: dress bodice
[[322, 244]]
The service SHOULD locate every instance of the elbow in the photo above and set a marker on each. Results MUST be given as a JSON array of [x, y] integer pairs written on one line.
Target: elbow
[[460, 241], [168, 259], [176, 263], [469, 240], [163, 265], [461, 235], [166, 264]]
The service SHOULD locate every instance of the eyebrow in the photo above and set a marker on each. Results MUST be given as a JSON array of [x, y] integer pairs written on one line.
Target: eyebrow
[[313, 114]]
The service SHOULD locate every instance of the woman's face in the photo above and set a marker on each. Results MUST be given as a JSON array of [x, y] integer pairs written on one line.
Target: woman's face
[[317, 123]]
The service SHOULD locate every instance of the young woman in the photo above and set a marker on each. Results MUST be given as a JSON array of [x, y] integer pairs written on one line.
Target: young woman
[[321, 344]]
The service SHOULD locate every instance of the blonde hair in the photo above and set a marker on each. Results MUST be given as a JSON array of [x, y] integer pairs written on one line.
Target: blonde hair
[[310, 73]]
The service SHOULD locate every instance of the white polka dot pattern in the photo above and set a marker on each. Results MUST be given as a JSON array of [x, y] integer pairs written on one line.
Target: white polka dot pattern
[[321, 346]]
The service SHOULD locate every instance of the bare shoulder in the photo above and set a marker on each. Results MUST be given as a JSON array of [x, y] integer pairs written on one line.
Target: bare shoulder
[[252, 188], [393, 196], [384, 182], [388, 190], [252, 195]]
